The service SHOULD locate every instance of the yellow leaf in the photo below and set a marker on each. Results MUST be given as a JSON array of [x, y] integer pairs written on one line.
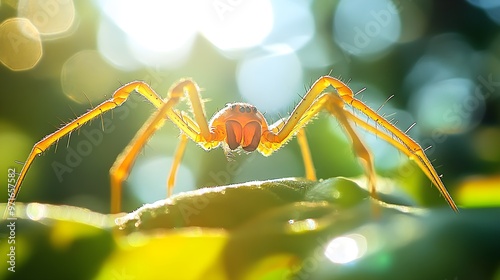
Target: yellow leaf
[[186, 254]]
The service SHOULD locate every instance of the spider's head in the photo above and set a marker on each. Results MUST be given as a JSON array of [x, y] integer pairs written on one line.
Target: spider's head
[[243, 125]]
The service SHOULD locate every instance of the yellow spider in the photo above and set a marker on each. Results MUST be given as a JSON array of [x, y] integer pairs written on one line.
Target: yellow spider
[[242, 125]]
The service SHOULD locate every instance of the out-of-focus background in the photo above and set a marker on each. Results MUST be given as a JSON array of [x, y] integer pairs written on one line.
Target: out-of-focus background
[[440, 60]]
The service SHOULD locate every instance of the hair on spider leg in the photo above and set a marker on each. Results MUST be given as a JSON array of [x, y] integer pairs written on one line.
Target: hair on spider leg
[[359, 91], [120, 82], [301, 96], [56, 144], [92, 107], [73, 111], [88, 99], [385, 102], [428, 147], [61, 124], [409, 128], [388, 115]]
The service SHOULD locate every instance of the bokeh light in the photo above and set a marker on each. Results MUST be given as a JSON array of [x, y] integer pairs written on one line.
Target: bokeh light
[[293, 24], [50, 17], [366, 29], [479, 191], [148, 179], [86, 77], [345, 249], [20, 44], [448, 106], [440, 83], [273, 81]]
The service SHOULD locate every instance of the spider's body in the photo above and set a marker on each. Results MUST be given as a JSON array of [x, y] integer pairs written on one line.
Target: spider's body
[[242, 125], [239, 124]]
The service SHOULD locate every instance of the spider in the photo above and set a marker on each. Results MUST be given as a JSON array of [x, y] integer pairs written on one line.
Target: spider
[[241, 125]]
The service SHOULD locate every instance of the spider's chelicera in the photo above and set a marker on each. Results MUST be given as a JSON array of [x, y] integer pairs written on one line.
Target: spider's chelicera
[[242, 125]]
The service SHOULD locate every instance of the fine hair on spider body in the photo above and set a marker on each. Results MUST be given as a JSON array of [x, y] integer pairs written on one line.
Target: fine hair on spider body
[[241, 126]]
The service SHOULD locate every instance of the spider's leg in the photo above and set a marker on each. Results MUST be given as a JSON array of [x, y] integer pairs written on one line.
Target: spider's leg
[[117, 99], [121, 167], [179, 152], [306, 155], [197, 130], [189, 128], [396, 142], [267, 148], [312, 98], [411, 148], [335, 107], [271, 142]]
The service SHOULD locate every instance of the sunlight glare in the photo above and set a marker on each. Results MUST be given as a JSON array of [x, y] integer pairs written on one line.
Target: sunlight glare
[[36, 211], [157, 33], [232, 25], [301, 226], [155, 25], [345, 249], [273, 81]]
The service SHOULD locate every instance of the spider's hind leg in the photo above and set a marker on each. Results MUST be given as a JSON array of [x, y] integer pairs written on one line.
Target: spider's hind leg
[[335, 106]]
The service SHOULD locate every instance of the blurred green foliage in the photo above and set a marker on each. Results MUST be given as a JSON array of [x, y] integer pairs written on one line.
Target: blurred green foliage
[[281, 229], [447, 46]]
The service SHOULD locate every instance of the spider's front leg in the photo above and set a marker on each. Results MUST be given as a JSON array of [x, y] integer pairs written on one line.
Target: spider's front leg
[[311, 104], [197, 130], [316, 99], [117, 99]]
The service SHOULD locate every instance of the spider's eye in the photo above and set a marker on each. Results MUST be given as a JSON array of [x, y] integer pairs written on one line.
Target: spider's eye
[[242, 109], [248, 109], [254, 109]]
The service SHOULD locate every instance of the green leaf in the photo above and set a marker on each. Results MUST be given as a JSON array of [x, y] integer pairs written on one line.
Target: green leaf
[[279, 229]]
